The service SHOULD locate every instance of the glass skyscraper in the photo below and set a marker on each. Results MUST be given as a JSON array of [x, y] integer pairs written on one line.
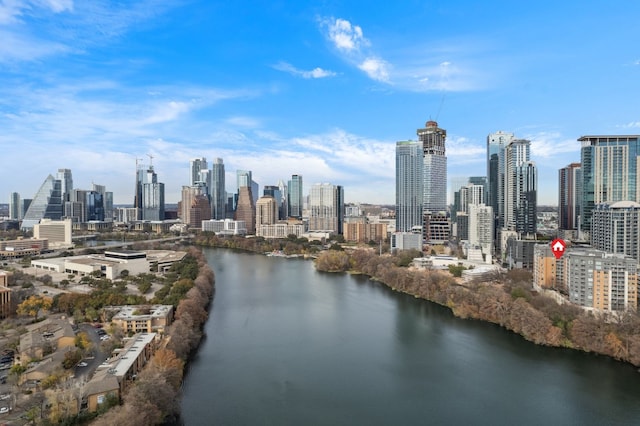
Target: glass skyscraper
[[47, 203], [217, 192], [295, 196], [409, 185], [609, 172]]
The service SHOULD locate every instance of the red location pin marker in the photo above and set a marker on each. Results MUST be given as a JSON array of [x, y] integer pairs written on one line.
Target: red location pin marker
[[557, 247]]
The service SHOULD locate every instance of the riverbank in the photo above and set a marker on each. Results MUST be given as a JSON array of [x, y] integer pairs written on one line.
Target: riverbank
[[507, 301], [155, 397]]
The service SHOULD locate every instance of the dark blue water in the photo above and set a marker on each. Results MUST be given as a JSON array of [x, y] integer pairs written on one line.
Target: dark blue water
[[287, 345]]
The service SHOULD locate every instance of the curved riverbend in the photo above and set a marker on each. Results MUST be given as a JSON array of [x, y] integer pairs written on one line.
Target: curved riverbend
[[288, 345]]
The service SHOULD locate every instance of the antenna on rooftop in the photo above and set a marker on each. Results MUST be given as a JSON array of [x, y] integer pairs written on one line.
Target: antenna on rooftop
[[150, 160]]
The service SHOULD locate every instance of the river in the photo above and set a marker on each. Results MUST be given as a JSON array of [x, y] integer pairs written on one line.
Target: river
[[288, 345]]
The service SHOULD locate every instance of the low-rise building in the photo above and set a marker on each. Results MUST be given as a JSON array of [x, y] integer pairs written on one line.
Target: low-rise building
[[14, 249], [45, 337], [140, 318], [113, 378]]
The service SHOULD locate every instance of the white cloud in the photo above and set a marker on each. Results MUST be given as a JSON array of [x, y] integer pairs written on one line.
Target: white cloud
[[314, 73], [461, 150], [548, 144], [377, 69], [344, 35]]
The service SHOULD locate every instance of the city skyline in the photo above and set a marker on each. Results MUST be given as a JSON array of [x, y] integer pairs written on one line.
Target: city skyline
[[321, 91]]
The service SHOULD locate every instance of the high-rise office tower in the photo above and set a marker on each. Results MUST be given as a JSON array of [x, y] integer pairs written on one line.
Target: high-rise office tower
[[435, 167], [66, 184], [107, 201], [47, 203], [14, 206], [194, 206], [521, 181], [243, 178], [609, 172], [284, 204], [409, 185], [197, 165], [217, 192], [274, 191], [246, 210], [266, 211], [295, 197], [326, 208], [496, 144], [569, 196], [149, 196]]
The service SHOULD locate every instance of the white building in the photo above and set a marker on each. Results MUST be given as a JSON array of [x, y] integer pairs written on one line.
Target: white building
[[58, 232], [225, 226]]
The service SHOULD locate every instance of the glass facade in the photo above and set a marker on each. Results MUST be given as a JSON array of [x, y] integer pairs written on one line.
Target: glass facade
[[409, 185]]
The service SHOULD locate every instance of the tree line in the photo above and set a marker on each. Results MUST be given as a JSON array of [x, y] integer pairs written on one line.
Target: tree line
[[507, 300], [155, 396]]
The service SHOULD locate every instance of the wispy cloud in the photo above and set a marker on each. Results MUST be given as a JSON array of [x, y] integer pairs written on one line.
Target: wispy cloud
[[407, 70], [631, 125], [33, 29], [314, 73]]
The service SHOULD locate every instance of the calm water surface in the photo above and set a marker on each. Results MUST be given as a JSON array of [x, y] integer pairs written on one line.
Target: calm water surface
[[287, 345]]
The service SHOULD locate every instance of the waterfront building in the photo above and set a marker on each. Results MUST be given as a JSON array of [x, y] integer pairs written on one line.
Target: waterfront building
[[282, 230], [295, 197], [432, 139], [225, 226], [615, 228], [436, 228], [326, 208], [600, 280], [609, 165], [409, 185]]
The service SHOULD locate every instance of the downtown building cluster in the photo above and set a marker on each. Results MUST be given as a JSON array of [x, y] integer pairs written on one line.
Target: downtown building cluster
[[599, 214], [492, 214]]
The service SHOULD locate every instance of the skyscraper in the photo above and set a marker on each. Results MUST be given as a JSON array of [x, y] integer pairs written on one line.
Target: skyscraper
[[14, 206], [266, 211], [569, 196], [47, 203], [409, 185], [496, 144], [614, 228], [217, 191], [521, 180], [435, 167], [246, 209], [197, 165], [326, 208], [295, 197], [194, 206], [149, 195], [66, 184], [609, 172]]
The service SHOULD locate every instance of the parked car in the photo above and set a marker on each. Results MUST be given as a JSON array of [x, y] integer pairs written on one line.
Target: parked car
[[82, 364], [4, 410]]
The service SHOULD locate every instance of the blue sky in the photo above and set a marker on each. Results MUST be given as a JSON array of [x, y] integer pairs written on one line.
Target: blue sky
[[323, 89]]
